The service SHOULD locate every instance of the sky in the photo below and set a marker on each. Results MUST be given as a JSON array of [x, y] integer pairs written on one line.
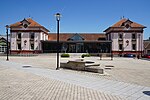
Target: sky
[[78, 16]]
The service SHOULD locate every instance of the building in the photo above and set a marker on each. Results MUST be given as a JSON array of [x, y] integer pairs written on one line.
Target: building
[[3, 43], [123, 37], [126, 37], [77, 43], [147, 46], [26, 36]]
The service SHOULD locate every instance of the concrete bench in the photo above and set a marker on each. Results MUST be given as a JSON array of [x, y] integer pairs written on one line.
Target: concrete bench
[[82, 66], [95, 69], [75, 65]]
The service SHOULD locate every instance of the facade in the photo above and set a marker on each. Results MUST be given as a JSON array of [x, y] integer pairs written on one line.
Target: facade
[[26, 36], [123, 37], [147, 46], [77, 43], [3, 44], [126, 37]]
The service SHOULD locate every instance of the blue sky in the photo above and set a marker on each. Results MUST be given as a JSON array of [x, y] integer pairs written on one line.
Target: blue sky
[[77, 15]]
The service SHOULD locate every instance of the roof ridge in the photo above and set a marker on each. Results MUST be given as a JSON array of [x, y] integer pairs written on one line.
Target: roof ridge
[[133, 24]]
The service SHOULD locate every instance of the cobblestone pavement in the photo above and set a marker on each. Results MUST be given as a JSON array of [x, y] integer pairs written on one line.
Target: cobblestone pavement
[[101, 87], [17, 84], [126, 69]]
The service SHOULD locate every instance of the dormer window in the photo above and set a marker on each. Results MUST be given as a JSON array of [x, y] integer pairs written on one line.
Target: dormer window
[[76, 37], [25, 25], [127, 26]]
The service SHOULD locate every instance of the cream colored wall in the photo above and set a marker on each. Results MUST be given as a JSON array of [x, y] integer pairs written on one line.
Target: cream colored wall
[[25, 37], [114, 37], [13, 41], [37, 41], [139, 42], [127, 36]]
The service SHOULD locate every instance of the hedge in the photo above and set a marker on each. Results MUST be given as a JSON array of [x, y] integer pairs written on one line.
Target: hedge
[[85, 55], [65, 55]]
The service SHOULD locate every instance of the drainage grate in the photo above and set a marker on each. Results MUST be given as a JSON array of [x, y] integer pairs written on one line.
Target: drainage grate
[[26, 66]]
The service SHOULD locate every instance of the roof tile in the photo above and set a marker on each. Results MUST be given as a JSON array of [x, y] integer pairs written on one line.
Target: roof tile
[[66, 36], [133, 24]]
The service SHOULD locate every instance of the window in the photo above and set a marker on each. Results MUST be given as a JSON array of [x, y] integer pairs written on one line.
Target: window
[[32, 46], [133, 36], [3, 49], [31, 35], [120, 46], [25, 25], [133, 46], [19, 36], [19, 46], [76, 37], [109, 36], [120, 36], [127, 26]]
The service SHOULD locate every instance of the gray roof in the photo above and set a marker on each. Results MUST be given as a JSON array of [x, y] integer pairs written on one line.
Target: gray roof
[[5, 37]]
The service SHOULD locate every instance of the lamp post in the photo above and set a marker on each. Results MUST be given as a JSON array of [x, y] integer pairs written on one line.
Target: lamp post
[[7, 26], [139, 44], [57, 15]]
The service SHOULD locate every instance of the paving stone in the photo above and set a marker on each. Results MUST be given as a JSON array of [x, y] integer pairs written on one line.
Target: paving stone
[[68, 85], [18, 84]]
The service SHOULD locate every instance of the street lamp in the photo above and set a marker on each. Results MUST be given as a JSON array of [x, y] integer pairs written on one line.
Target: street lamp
[[57, 15], [7, 26], [139, 44]]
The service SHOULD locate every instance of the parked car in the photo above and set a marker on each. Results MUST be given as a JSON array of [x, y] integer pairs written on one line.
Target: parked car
[[129, 55], [146, 56]]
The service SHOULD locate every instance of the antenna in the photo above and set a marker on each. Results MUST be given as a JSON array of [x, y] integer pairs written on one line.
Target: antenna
[[122, 17]]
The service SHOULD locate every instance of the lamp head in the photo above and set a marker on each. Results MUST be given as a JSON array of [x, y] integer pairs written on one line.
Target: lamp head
[[7, 26], [57, 15]]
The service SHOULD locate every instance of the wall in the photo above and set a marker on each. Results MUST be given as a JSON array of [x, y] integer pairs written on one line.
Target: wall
[[127, 36], [13, 41], [25, 37]]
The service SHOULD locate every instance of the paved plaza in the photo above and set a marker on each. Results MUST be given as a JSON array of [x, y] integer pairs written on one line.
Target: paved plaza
[[128, 80]]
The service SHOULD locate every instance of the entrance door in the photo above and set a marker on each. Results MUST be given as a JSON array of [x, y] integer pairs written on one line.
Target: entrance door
[[79, 47], [72, 48], [76, 48]]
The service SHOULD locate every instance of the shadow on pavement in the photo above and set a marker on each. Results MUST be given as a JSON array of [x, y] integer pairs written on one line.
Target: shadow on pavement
[[147, 92]]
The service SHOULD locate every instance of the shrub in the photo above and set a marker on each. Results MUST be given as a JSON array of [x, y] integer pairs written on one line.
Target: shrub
[[65, 55], [85, 55]]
